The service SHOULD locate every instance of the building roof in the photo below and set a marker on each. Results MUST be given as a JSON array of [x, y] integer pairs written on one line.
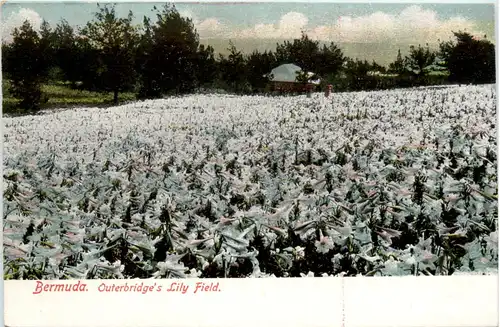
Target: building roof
[[288, 73]]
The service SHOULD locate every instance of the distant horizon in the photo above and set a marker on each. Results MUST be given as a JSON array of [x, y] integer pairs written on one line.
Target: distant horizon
[[383, 54], [371, 31]]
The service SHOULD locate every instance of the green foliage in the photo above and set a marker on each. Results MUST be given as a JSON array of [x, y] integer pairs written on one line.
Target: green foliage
[[302, 52], [398, 66], [469, 59], [169, 48], [419, 58], [61, 95], [165, 56], [67, 52], [357, 73], [47, 48], [308, 55], [206, 65], [148, 86], [302, 77], [27, 66], [113, 40], [258, 66], [233, 70], [351, 82]]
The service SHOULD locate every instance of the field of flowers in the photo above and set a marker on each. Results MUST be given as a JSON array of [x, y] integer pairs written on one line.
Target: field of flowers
[[387, 183]]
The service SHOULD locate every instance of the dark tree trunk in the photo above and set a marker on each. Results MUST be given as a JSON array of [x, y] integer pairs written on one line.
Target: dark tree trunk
[[115, 96]]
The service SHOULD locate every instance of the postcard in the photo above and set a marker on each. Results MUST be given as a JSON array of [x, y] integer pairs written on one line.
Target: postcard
[[249, 163]]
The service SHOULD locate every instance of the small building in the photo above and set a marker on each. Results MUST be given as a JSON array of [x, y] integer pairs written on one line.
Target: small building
[[286, 78]]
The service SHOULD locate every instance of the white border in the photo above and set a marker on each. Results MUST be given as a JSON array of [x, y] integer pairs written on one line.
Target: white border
[[312, 302], [315, 302], [276, 1], [270, 302]]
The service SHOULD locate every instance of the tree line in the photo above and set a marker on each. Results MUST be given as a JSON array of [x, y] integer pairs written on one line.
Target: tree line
[[164, 56]]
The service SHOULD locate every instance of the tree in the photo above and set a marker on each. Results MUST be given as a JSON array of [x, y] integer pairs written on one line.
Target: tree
[[257, 66], [469, 59], [90, 70], [444, 52], [302, 77], [26, 66], [206, 65], [144, 62], [6, 59], [233, 70], [419, 58], [309, 56], [398, 66], [357, 73], [66, 53], [115, 40], [329, 60], [302, 52], [47, 46], [171, 61], [377, 67]]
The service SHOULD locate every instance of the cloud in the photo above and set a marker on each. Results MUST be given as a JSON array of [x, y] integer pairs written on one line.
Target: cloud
[[289, 26], [211, 27], [207, 28], [411, 25], [16, 19], [187, 13]]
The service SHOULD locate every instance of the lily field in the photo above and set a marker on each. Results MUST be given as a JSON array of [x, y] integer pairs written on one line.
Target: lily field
[[387, 183]]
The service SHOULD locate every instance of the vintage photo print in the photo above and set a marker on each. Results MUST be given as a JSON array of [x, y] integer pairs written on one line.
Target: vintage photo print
[[281, 153]]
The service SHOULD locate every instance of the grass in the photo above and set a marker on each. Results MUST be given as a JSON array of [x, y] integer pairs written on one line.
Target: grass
[[61, 95]]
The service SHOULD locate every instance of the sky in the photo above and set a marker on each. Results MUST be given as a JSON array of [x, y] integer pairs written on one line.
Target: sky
[[251, 23]]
